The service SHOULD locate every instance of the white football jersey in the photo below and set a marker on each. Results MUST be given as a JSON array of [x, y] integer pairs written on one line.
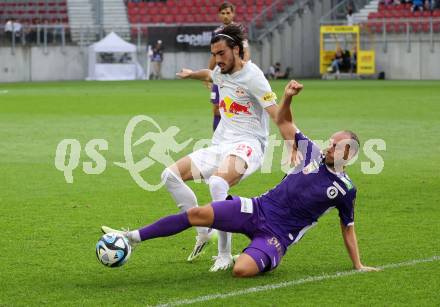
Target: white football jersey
[[243, 97]]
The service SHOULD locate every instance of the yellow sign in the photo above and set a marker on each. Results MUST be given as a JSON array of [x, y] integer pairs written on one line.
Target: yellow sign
[[339, 29], [333, 36], [366, 62], [326, 60]]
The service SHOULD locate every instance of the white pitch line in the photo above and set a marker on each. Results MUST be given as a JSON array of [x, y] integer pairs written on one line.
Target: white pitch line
[[292, 283]]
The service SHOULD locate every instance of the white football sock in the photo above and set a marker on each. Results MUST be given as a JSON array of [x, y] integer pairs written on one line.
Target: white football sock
[[219, 191], [134, 236], [182, 194]]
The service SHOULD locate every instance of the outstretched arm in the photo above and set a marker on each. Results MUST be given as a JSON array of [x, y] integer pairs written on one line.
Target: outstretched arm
[[284, 118], [350, 241], [202, 75]]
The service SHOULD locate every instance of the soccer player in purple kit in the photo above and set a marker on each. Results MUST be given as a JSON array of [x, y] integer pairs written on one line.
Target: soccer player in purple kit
[[226, 13], [280, 217]]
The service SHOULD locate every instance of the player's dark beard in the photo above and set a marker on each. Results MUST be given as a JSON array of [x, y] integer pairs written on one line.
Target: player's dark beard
[[329, 163], [230, 68]]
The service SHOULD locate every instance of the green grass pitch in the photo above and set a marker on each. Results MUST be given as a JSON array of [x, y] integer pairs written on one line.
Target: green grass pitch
[[49, 227]]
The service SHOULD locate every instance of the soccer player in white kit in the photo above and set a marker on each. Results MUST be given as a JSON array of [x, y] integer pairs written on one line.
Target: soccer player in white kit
[[239, 142]]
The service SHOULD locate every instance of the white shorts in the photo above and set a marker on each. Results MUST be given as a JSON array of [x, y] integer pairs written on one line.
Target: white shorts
[[208, 160]]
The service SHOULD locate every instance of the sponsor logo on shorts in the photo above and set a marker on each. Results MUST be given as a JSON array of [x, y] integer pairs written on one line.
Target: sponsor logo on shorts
[[274, 241], [245, 149]]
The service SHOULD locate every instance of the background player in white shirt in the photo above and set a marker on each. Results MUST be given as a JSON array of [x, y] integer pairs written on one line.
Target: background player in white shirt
[[238, 144]]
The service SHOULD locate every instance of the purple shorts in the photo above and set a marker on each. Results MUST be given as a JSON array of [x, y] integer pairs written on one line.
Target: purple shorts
[[242, 215], [215, 94]]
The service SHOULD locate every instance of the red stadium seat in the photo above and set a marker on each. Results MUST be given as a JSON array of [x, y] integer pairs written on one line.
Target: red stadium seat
[[416, 26], [269, 2], [269, 15], [389, 27], [203, 10], [174, 10], [163, 11], [184, 10], [198, 18], [153, 10], [399, 14], [206, 18], [155, 18], [426, 27], [372, 15], [134, 18], [194, 10], [145, 19], [179, 19], [407, 14], [375, 27], [239, 10], [280, 7], [388, 14]]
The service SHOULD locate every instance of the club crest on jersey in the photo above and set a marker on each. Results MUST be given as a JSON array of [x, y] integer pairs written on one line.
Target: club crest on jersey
[[240, 92], [332, 192], [269, 96], [232, 108]]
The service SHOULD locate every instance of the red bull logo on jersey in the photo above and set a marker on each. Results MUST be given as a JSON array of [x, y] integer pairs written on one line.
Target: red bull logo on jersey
[[232, 108]]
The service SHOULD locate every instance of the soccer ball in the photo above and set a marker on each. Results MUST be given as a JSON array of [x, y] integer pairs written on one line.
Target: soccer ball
[[113, 250]]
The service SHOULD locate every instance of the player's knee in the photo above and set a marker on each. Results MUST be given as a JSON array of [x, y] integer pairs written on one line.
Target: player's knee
[[200, 216], [169, 178], [196, 214], [243, 271]]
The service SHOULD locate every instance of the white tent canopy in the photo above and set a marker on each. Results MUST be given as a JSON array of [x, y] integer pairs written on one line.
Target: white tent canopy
[[110, 48]]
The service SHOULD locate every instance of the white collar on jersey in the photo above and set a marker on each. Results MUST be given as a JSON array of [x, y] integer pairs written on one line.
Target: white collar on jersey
[[334, 172]]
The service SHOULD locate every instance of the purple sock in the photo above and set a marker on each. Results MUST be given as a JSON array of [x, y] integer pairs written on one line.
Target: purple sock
[[165, 227], [215, 122]]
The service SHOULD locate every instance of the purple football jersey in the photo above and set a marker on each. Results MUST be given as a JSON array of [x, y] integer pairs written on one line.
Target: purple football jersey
[[305, 194]]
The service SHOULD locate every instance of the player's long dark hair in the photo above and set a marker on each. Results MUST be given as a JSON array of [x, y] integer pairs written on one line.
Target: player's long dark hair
[[235, 38]]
